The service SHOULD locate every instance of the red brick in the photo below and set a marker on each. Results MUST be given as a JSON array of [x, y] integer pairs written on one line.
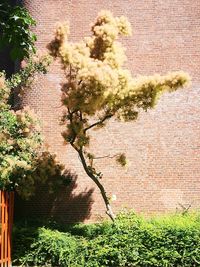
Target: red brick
[[163, 145]]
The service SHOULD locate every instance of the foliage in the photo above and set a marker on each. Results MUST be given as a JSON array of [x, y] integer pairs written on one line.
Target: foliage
[[121, 159], [55, 248], [33, 65], [20, 138], [23, 163], [15, 22], [169, 241], [19, 142], [98, 87]]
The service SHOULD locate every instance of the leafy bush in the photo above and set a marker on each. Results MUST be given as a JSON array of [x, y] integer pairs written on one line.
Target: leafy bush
[[55, 248], [15, 23], [132, 241], [20, 137]]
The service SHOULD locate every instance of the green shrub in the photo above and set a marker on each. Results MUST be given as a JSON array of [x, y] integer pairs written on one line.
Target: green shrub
[[23, 237], [54, 248], [170, 241]]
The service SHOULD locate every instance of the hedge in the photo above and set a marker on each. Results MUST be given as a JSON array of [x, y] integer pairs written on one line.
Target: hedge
[[168, 241]]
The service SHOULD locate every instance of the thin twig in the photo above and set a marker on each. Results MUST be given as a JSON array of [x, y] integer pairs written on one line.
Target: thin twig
[[107, 156]]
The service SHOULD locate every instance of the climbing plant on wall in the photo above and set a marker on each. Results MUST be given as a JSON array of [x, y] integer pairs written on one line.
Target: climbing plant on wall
[[15, 23]]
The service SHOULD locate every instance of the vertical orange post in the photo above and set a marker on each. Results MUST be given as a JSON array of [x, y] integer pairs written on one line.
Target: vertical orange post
[[6, 219]]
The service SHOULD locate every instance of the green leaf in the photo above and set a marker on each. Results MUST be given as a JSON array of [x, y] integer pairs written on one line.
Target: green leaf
[[16, 53]]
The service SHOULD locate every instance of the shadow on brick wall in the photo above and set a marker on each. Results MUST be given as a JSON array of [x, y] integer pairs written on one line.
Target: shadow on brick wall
[[63, 204]]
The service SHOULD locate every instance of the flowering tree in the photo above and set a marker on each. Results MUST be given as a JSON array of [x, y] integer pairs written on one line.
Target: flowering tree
[[20, 138], [98, 88]]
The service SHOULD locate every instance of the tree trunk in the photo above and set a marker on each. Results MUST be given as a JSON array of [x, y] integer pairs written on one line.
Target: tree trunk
[[109, 211]]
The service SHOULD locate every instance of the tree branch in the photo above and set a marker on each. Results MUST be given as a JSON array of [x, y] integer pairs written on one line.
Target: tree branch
[[98, 122], [74, 132]]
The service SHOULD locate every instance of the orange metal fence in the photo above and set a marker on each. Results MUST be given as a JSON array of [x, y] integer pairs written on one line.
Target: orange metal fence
[[6, 220]]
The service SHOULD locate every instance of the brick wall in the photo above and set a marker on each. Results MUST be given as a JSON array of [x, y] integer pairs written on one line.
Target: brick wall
[[162, 146]]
